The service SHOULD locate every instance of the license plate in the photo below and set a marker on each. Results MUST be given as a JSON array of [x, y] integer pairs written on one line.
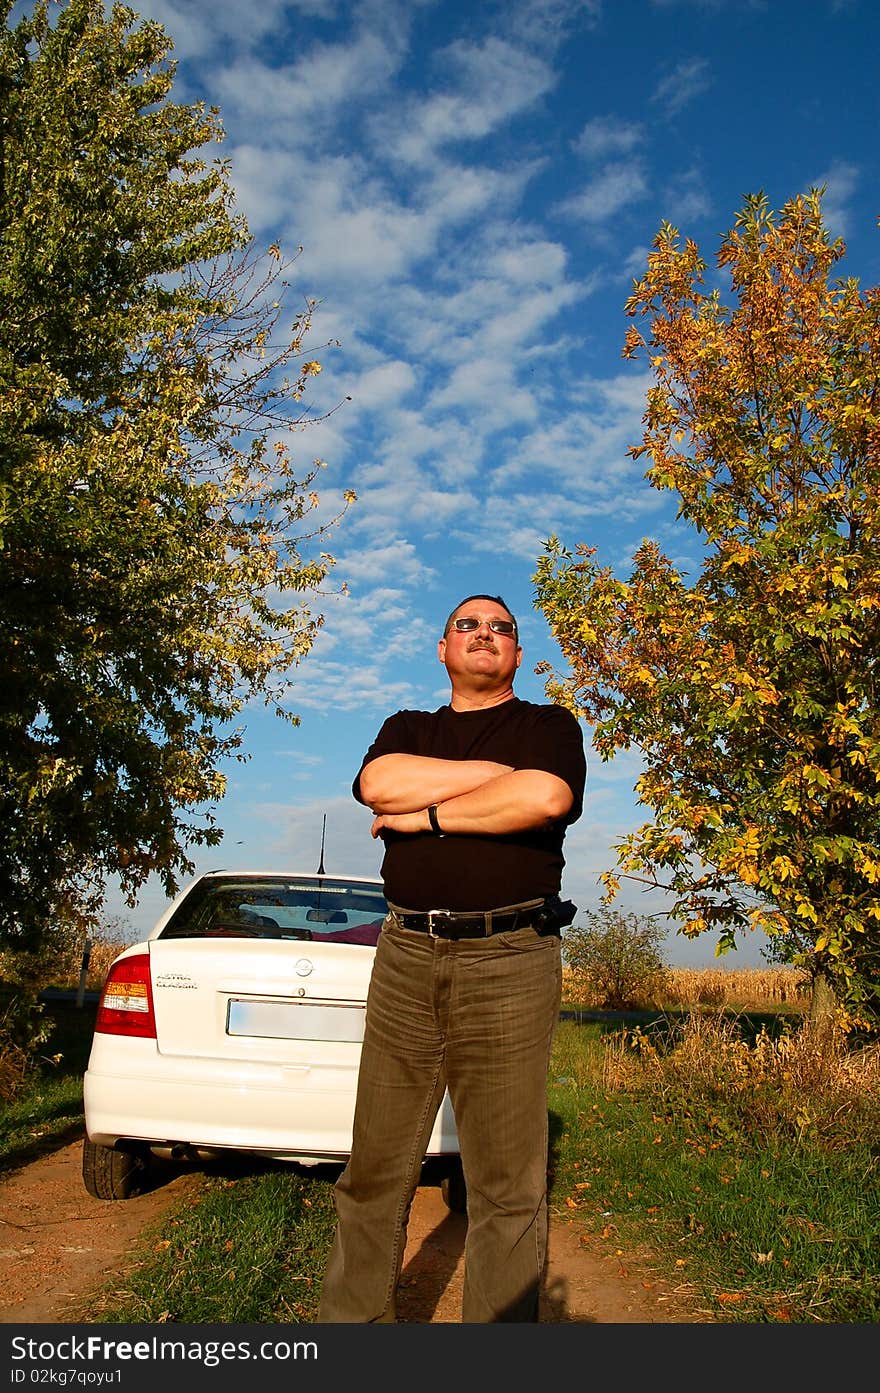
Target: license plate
[[289, 1020]]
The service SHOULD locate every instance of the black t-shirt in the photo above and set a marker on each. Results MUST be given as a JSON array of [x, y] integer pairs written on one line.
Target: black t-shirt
[[423, 871]]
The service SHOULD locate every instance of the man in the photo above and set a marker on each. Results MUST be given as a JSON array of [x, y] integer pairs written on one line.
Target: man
[[471, 802]]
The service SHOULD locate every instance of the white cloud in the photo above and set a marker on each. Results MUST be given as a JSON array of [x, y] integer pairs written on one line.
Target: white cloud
[[685, 198], [293, 104], [456, 193], [757, 5], [606, 136], [625, 392], [358, 235], [682, 85], [611, 189], [382, 386], [398, 560], [485, 386], [410, 445], [411, 494], [635, 263], [532, 262], [325, 685], [520, 524], [197, 27], [354, 233], [547, 23], [490, 83], [352, 619], [299, 757], [841, 181]]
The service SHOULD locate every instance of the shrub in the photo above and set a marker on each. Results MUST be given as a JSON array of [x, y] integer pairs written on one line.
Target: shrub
[[24, 975], [807, 1084], [617, 959], [14, 1067], [23, 1029]]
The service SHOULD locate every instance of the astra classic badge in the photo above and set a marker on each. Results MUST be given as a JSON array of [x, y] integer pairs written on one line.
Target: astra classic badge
[[176, 979]]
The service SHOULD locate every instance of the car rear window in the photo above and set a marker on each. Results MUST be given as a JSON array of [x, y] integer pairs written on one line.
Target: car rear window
[[326, 908]]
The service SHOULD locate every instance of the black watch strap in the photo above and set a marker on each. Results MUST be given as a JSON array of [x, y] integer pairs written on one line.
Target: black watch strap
[[432, 818]]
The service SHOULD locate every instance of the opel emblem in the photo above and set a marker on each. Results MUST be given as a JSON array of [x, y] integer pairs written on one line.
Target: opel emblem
[[304, 967]]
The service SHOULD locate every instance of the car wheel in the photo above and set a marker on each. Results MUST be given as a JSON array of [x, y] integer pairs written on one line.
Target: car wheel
[[111, 1174], [454, 1191]]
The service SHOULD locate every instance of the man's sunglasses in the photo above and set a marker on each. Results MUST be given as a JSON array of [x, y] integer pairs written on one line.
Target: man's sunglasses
[[498, 626]]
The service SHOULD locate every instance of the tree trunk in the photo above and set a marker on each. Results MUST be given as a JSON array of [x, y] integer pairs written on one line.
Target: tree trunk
[[823, 1000]]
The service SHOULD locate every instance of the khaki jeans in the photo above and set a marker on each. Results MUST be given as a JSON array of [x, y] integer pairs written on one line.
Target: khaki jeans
[[476, 1016]]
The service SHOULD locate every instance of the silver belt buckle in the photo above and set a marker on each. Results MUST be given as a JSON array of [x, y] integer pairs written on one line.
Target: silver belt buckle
[[438, 914]]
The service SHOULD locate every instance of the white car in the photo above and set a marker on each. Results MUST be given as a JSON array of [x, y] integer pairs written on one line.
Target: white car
[[237, 1026]]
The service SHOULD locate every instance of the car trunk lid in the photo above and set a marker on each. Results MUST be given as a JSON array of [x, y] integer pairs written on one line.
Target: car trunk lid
[[258, 999]]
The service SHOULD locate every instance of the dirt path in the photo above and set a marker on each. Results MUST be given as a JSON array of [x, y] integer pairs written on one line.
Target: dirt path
[[57, 1244]]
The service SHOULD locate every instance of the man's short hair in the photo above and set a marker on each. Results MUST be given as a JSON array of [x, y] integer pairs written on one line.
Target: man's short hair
[[496, 600]]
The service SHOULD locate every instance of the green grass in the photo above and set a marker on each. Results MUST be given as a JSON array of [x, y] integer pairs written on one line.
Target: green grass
[[763, 1225], [246, 1249], [760, 1201], [248, 1246]]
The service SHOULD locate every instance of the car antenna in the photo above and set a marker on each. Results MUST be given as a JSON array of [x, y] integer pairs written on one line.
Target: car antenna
[[321, 870]]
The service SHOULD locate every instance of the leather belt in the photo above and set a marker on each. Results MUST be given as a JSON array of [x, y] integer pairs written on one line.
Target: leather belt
[[448, 923]]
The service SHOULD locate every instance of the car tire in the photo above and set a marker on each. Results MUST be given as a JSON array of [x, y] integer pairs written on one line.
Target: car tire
[[454, 1191], [111, 1174]]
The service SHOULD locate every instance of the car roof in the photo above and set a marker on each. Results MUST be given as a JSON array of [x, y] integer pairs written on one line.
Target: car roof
[[287, 875]]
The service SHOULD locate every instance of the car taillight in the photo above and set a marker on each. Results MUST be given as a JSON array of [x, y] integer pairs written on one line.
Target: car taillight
[[126, 1005]]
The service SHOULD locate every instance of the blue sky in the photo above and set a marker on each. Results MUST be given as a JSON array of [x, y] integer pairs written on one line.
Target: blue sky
[[474, 186]]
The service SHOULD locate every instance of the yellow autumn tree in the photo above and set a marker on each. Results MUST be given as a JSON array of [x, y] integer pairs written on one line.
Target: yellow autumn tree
[[751, 690]]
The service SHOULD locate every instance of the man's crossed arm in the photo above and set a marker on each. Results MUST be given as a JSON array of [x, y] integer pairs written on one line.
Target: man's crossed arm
[[472, 796]]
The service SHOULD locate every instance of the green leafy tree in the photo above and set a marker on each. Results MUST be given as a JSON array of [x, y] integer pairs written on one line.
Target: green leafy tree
[[619, 956], [157, 558], [751, 691]]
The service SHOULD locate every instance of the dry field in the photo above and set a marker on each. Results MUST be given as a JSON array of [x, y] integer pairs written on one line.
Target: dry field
[[101, 955], [753, 988], [747, 988], [744, 989]]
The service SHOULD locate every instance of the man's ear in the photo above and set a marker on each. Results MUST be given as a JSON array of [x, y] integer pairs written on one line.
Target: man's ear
[[441, 650], [518, 655]]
